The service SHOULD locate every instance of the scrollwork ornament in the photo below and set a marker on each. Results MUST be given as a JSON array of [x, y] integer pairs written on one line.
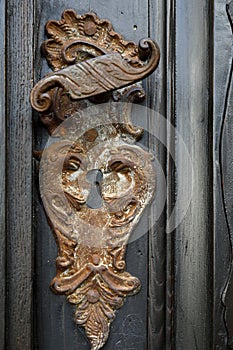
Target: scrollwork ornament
[[92, 63]]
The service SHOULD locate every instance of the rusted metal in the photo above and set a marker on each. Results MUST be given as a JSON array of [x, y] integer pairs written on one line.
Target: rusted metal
[[93, 77], [92, 63]]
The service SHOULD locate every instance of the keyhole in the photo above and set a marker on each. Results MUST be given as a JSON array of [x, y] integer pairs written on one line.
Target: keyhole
[[94, 200]]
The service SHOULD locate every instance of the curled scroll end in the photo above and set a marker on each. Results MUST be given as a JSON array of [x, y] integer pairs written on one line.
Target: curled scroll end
[[41, 94], [149, 50], [43, 103]]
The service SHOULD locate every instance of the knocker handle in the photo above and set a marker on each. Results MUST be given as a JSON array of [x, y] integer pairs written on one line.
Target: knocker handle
[[96, 76]]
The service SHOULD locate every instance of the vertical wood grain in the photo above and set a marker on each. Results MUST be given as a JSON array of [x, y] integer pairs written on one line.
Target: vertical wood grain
[[194, 120], [170, 103], [156, 100], [2, 175], [19, 79], [223, 277], [222, 230]]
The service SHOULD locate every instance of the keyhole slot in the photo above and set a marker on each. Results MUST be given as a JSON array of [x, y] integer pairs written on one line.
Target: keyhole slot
[[94, 200]]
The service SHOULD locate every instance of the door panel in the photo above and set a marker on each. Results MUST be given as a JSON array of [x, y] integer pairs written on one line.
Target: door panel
[[193, 110], [185, 301]]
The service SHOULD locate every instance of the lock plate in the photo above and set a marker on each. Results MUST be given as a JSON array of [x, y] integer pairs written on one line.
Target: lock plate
[[95, 181]]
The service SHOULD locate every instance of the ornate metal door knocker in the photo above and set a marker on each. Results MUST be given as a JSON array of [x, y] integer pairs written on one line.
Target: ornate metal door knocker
[[94, 181]]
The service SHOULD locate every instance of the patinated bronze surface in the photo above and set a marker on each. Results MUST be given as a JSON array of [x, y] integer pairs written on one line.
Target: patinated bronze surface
[[95, 182]]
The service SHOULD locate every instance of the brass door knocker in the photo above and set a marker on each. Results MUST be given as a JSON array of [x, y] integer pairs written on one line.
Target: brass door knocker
[[94, 181]]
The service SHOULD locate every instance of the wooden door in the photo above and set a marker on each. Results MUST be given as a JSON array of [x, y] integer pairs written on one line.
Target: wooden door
[[187, 289]]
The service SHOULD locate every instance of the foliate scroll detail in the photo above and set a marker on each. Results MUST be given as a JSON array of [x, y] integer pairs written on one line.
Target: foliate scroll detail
[[96, 286], [92, 243]]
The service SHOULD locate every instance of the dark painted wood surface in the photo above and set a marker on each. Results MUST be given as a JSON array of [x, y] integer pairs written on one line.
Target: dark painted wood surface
[[2, 176], [157, 259], [222, 64], [169, 96], [184, 273], [194, 120], [19, 81], [226, 169]]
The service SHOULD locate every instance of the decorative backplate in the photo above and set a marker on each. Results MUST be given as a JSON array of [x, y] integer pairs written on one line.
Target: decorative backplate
[[94, 181]]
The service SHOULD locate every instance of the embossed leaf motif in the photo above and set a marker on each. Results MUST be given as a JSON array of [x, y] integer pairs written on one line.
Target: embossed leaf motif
[[77, 38], [96, 301]]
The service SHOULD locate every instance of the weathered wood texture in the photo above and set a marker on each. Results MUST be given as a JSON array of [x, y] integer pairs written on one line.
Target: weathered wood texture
[[170, 103], [2, 175], [19, 80], [194, 120], [184, 273], [222, 172], [157, 258]]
